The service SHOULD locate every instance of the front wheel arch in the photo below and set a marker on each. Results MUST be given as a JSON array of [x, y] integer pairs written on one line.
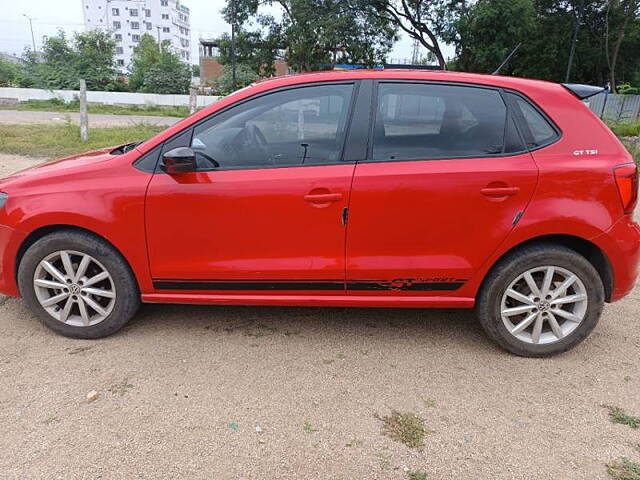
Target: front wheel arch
[[41, 232]]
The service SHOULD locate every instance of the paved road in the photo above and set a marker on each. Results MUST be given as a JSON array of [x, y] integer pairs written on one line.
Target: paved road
[[95, 119], [182, 389]]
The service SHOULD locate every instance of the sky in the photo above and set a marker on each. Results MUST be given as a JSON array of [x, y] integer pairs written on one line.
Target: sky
[[51, 15]]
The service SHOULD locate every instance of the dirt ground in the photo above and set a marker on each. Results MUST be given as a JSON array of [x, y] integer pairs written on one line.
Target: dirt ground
[[183, 390]]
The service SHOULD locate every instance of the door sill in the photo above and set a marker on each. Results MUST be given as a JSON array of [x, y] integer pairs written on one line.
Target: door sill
[[312, 300]]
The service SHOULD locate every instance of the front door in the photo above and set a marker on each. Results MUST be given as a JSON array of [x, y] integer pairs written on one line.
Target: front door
[[264, 211], [446, 179]]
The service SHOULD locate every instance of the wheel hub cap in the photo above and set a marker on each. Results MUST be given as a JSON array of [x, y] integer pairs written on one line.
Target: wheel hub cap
[[544, 306]]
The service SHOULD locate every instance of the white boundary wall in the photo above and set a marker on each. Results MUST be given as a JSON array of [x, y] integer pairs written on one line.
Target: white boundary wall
[[107, 98]]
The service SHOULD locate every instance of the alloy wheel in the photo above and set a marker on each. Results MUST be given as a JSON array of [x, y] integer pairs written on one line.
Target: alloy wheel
[[74, 288], [544, 305]]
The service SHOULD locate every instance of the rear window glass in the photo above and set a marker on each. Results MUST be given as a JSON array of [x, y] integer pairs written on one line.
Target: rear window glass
[[422, 121], [540, 130]]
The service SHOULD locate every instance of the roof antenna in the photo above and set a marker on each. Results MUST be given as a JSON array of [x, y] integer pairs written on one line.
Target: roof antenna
[[506, 59]]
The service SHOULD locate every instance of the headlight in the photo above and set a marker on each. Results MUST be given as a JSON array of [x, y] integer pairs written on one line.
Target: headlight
[[3, 199]]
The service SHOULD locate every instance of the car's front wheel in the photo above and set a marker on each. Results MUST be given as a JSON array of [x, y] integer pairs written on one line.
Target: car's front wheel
[[541, 300], [78, 284]]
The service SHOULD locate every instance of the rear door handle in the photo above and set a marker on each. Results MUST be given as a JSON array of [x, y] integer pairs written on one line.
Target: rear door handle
[[499, 191], [323, 197]]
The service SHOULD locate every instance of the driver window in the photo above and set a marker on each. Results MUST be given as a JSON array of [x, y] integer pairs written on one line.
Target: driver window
[[296, 127]]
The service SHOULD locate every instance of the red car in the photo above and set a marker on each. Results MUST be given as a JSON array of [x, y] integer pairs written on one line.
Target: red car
[[359, 188]]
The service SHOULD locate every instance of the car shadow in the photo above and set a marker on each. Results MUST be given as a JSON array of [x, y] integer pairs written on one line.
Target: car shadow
[[322, 323]]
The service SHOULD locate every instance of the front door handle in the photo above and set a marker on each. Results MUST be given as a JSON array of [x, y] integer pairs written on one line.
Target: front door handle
[[499, 191], [323, 197]]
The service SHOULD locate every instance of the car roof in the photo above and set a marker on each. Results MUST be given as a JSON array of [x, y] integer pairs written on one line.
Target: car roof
[[516, 83]]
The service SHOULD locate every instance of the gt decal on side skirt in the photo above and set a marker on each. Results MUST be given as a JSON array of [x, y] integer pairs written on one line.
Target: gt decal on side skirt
[[247, 285], [330, 285]]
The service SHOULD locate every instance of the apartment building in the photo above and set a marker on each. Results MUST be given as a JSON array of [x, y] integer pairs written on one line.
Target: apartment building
[[128, 20]]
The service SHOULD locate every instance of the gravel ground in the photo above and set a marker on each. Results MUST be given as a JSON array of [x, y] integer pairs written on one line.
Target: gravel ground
[[182, 389], [95, 119]]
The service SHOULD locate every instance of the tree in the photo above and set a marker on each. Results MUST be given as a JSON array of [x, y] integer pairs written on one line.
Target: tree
[[317, 34], [8, 73], [145, 55], [619, 16], [195, 70], [95, 59], [158, 70], [490, 31], [426, 21], [256, 49], [89, 55], [223, 85], [486, 32]]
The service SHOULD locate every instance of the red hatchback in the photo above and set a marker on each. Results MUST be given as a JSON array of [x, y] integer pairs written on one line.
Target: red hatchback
[[362, 188]]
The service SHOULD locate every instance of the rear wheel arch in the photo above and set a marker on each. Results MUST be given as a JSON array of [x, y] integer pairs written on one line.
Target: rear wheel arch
[[41, 232], [584, 247]]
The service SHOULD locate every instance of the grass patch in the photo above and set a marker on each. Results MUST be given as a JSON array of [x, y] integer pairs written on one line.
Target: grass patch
[[624, 469], [56, 105], [429, 403], [417, 475], [121, 388], [626, 129], [61, 140], [634, 150], [308, 428], [617, 415], [407, 428]]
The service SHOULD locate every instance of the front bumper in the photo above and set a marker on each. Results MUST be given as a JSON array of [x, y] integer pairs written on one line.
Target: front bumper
[[10, 241], [621, 244]]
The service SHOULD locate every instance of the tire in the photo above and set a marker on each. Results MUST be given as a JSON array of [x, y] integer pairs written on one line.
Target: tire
[[116, 296], [511, 273]]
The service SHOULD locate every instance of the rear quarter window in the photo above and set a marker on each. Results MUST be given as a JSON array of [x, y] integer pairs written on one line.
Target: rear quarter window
[[538, 131]]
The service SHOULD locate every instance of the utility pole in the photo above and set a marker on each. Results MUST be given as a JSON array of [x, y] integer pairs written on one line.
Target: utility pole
[[233, 45], [84, 116], [33, 39], [574, 40], [415, 54], [159, 42]]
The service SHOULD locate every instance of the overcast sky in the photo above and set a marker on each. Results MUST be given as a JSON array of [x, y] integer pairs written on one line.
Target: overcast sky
[[51, 15]]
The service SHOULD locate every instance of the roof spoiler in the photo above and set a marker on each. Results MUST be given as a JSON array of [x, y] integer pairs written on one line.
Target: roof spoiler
[[583, 91]]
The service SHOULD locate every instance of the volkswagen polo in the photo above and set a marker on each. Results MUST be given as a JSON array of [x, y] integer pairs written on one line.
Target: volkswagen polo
[[360, 189]]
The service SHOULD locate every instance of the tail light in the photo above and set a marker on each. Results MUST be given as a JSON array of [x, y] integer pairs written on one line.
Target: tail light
[[627, 182]]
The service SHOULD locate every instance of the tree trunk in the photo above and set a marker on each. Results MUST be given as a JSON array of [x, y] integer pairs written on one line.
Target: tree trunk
[[628, 10]]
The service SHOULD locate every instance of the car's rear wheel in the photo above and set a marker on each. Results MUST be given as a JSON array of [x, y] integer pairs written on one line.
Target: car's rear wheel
[[541, 300], [78, 284]]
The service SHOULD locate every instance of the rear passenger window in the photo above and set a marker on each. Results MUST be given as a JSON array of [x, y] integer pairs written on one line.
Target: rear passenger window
[[540, 132], [421, 121]]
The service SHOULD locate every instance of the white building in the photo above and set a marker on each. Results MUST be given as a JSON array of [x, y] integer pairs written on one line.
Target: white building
[[128, 20]]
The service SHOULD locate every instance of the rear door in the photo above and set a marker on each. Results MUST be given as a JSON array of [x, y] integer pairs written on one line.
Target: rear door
[[446, 179]]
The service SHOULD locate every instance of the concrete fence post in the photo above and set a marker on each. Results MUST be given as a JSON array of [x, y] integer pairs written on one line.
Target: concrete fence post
[[84, 116], [193, 100]]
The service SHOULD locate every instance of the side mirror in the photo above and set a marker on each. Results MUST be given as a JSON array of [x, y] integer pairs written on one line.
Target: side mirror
[[179, 160]]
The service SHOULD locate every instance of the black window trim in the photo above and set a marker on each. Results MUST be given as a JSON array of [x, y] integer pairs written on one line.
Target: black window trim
[[522, 124], [511, 114], [341, 161]]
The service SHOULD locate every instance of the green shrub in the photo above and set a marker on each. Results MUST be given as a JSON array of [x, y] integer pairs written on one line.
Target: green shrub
[[9, 74], [627, 89], [223, 85]]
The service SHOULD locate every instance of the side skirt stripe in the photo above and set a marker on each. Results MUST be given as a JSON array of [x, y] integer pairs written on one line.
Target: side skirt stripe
[[292, 285]]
